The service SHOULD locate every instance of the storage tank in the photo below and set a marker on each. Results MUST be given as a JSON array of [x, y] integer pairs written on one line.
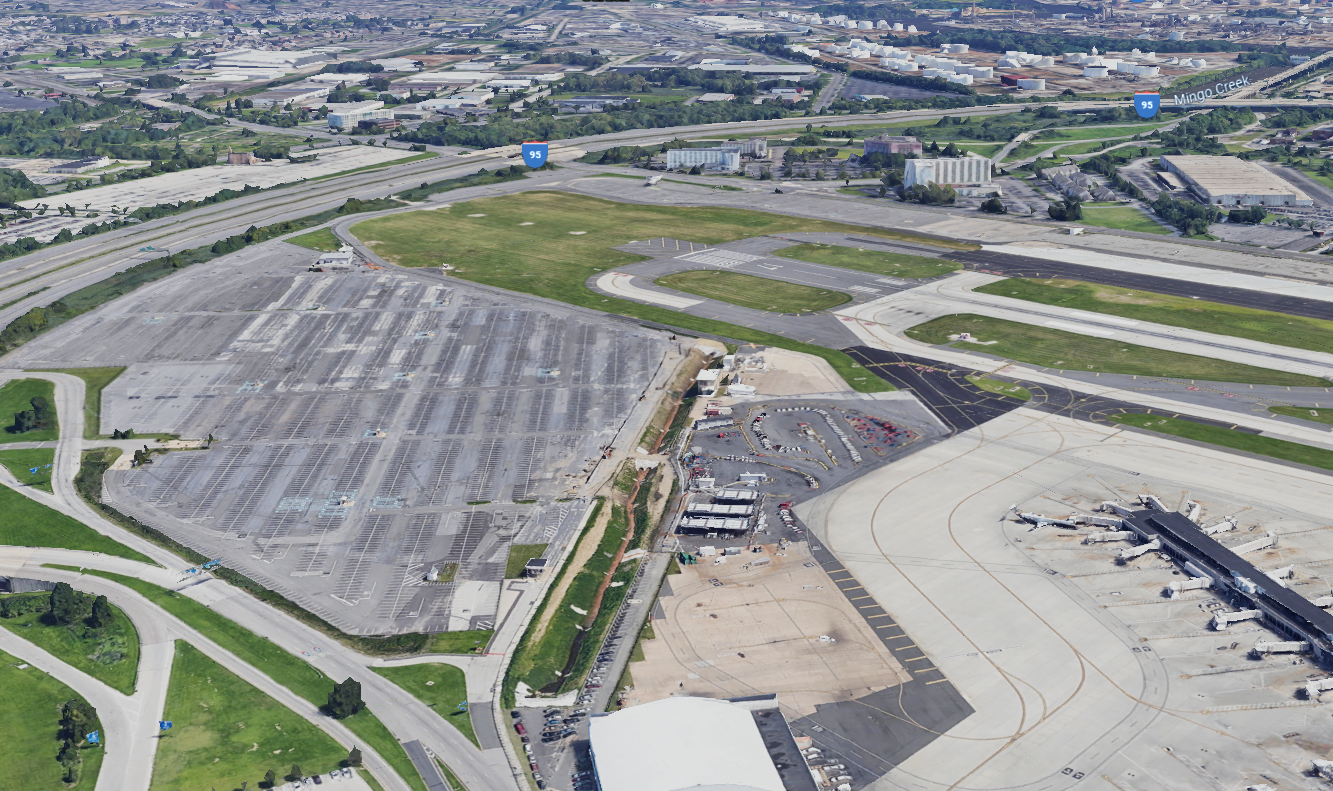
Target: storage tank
[[865, 25], [961, 79], [911, 29], [881, 25], [898, 26], [1175, 36], [1074, 57], [1094, 71], [981, 72], [1032, 85], [1044, 62]]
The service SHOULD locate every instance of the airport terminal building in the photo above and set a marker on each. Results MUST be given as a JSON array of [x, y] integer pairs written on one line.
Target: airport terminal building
[[1230, 181]]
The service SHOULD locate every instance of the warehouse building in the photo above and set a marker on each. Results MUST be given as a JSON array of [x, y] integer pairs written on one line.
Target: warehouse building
[[80, 165], [682, 743], [708, 158], [891, 144], [960, 170], [348, 116], [756, 147], [1229, 181]]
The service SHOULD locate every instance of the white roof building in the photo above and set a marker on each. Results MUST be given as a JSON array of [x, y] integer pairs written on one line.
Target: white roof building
[[681, 743], [727, 23]]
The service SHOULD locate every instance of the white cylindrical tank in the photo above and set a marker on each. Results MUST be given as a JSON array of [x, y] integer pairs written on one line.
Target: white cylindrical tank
[[1073, 57], [1044, 62], [881, 25], [1125, 66], [1032, 85], [1199, 63], [1175, 36], [961, 79], [907, 65], [1147, 71], [1094, 71], [911, 29], [898, 26], [866, 25], [981, 72]]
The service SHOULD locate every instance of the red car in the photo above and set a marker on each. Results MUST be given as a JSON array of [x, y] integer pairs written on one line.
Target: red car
[[518, 726]]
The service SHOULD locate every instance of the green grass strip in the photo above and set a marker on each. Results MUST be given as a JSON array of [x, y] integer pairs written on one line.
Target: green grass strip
[[1324, 416], [1236, 440], [756, 293], [439, 686], [16, 396], [1267, 326], [1052, 348], [876, 261], [28, 523], [284, 668], [95, 381]]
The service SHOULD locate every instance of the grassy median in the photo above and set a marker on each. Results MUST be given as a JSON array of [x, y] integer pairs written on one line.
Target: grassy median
[[442, 687], [1324, 416], [1052, 348], [109, 654], [226, 732], [288, 670], [1268, 326], [29, 723], [749, 291], [1236, 440], [22, 461], [28, 523], [876, 261], [95, 381]]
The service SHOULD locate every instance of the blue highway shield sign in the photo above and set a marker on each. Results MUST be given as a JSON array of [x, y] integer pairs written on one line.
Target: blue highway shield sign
[[534, 154], [1147, 103]]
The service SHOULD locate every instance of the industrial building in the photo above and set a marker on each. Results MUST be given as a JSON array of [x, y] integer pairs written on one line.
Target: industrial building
[[891, 144], [960, 170], [348, 116], [264, 59], [689, 743], [1229, 181], [1232, 577], [80, 165], [708, 158], [755, 147], [728, 24]]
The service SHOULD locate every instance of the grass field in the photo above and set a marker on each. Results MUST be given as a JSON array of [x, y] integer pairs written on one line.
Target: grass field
[[1062, 350], [1324, 416], [547, 259], [519, 555], [322, 240], [442, 687], [876, 261], [364, 168], [95, 381], [1257, 325], [19, 462], [1236, 440], [459, 642], [29, 723], [1124, 218], [31, 524], [16, 396], [1065, 133], [109, 654], [748, 291], [225, 732], [1001, 388], [286, 669]]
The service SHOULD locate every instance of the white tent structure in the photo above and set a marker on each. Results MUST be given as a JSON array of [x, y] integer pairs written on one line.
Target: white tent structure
[[679, 743]]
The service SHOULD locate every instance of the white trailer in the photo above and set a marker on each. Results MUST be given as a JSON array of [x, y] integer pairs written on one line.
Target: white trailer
[[1141, 549], [1224, 619], [1109, 535]]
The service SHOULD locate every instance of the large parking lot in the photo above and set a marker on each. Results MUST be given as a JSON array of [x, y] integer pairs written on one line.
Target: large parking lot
[[371, 426]]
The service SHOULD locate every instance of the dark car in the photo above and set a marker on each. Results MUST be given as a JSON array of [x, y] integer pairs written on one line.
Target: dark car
[[319, 781], [523, 739], [515, 714], [541, 785]]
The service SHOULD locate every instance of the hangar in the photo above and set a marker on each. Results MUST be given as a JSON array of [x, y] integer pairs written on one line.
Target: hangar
[[1231, 181], [679, 743]]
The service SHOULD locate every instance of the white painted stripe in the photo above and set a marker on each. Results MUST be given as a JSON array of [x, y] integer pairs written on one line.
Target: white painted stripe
[[1081, 329], [1100, 317]]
